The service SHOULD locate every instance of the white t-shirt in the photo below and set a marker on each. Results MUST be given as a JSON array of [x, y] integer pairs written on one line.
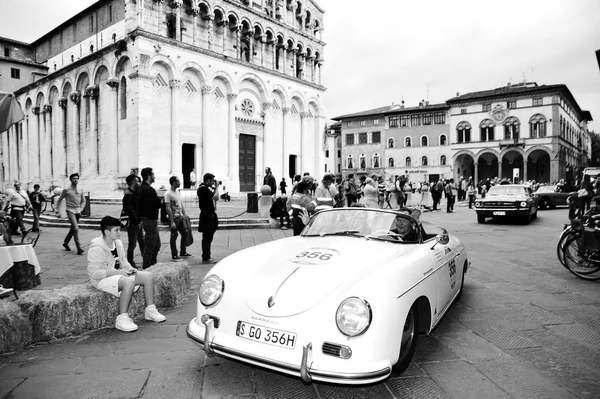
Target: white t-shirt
[[174, 199]]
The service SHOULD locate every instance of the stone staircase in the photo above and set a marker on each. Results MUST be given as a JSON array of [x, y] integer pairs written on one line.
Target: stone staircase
[[94, 223]]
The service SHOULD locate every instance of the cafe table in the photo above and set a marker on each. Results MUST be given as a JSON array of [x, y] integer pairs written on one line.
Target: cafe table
[[19, 267]]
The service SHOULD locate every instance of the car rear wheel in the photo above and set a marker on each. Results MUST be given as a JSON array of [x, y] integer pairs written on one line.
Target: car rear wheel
[[545, 203], [408, 342], [480, 219]]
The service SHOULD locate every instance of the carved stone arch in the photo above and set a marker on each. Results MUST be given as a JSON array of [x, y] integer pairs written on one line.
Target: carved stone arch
[[426, 137], [298, 96], [98, 66], [309, 52], [28, 104], [539, 148], [39, 99], [53, 93], [83, 80], [67, 87], [219, 15], [51, 84], [290, 43], [226, 79], [300, 43], [316, 105], [269, 34], [102, 70], [83, 71], [440, 139], [484, 151], [463, 152], [204, 3], [512, 149], [232, 19], [282, 94], [122, 66], [246, 25], [258, 30], [166, 62], [117, 60], [258, 82], [196, 69]]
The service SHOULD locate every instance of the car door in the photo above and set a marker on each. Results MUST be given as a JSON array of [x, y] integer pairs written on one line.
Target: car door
[[445, 274]]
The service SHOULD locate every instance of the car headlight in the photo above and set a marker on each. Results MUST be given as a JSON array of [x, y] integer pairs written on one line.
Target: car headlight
[[523, 204], [477, 204], [353, 316], [211, 290]]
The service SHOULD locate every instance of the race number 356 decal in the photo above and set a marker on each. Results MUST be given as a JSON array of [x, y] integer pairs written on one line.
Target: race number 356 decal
[[452, 271], [315, 256]]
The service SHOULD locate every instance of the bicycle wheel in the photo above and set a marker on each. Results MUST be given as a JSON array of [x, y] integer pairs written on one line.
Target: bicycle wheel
[[579, 261], [560, 246]]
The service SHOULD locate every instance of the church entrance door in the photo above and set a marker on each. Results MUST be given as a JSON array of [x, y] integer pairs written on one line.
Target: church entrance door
[[247, 162], [188, 154]]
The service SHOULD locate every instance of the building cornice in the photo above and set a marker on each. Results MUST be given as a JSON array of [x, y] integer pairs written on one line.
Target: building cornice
[[22, 62], [153, 36]]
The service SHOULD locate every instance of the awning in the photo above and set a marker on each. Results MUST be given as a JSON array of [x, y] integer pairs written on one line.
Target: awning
[[10, 111]]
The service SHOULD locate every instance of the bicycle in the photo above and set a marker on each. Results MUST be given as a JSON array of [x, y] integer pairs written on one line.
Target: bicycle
[[581, 248], [45, 204]]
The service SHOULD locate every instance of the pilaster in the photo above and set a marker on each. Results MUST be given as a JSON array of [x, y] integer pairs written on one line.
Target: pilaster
[[202, 166], [75, 146], [175, 146]]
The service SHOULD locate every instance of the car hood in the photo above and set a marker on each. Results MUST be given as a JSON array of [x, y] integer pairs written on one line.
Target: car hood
[[300, 272], [503, 198]]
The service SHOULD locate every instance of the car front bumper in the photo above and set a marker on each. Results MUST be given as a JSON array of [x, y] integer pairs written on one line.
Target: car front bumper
[[203, 332], [502, 212]]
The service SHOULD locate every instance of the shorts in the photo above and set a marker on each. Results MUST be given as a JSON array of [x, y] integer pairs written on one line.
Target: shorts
[[111, 285]]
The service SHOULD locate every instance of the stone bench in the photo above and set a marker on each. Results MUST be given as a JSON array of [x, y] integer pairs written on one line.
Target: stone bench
[[44, 315]]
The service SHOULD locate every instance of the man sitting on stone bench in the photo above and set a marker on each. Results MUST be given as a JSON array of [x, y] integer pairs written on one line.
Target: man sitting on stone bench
[[110, 272]]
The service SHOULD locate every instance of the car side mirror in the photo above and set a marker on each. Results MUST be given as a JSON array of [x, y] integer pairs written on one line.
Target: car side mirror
[[441, 238]]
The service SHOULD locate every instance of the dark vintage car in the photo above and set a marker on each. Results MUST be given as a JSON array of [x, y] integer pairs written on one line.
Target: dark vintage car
[[552, 195], [509, 200]]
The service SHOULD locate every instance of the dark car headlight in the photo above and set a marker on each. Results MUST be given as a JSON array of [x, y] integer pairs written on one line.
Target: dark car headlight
[[353, 316], [211, 290]]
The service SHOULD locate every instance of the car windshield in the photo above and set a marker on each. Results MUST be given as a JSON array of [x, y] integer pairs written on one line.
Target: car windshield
[[363, 222], [513, 191], [547, 189]]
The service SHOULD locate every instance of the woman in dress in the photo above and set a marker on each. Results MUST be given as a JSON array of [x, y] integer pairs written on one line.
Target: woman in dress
[[370, 198]]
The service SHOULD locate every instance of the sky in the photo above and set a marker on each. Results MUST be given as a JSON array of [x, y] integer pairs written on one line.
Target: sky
[[380, 52]]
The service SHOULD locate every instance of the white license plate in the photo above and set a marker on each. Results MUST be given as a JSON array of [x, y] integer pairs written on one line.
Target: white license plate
[[499, 213], [266, 335]]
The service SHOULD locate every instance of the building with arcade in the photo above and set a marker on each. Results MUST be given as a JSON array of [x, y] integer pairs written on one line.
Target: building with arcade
[[223, 86]]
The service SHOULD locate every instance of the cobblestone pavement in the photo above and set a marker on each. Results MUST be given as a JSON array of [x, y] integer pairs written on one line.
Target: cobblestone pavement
[[525, 328]]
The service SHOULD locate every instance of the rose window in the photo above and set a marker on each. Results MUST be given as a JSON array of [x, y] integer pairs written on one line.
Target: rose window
[[247, 108]]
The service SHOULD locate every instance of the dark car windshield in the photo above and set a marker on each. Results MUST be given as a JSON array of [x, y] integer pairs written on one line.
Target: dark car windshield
[[547, 189], [511, 191]]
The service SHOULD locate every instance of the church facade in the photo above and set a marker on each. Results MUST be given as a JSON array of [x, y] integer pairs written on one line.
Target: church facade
[[227, 87]]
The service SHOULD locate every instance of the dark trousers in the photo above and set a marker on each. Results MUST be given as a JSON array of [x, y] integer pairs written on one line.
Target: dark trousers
[[134, 234], [17, 216], [471, 201], [450, 202], [298, 225], [36, 218], [436, 199], [281, 214], [74, 230], [151, 242], [179, 227], [350, 199], [207, 238]]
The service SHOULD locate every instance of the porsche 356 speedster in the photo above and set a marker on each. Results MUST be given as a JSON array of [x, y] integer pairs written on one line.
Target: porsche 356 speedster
[[343, 302]]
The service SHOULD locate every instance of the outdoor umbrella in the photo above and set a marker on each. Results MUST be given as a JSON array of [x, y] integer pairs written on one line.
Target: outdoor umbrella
[[10, 111]]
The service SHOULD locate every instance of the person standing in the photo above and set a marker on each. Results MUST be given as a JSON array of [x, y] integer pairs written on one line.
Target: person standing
[[36, 198], [326, 192], [193, 178], [176, 214], [472, 193], [270, 181], [400, 191], [148, 205], [208, 222], [135, 233], [19, 202], [450, 196], [436, 193], [282, 186], [75, 202], [299, 203]]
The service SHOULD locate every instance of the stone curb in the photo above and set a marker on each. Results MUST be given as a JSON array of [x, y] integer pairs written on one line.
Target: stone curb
[[44, 315]]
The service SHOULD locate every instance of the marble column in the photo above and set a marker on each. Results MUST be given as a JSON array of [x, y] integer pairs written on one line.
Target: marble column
[[195, 11], [6, 157], [175, 146], [319, 70], [50, 128], [75, 166], [25, 153], [224, 38], [304, 145], [238, 42], [61, 144], [319, 142], [268, 136], [177, 4], [524, 177], [293, 52], [201, 161], [232, 142], [211, 32], [250, 48], [93, 93], [160, 15], [476, 173], [35, 151], [311, 68], [499, 169], [14, 144], [284, 139], [113, 135], [262, 52]]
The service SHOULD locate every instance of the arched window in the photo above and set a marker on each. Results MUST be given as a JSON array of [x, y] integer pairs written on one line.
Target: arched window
[[114, 37], [424, 161], [391, 162], [443, 139], [123, 95], [511, 128], [463, 132], [363, 161], [376, 160], [537, 126], [424, 141], [443, 160], [350, 162], [171, 26], [408, 162], [407, 142], [92, 48], [390, 143], [486, 130]]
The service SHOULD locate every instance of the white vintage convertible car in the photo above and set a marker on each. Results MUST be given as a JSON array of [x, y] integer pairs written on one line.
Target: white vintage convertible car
[[341, 303]]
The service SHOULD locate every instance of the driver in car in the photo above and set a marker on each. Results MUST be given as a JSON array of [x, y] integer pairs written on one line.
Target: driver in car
[[404, 228]]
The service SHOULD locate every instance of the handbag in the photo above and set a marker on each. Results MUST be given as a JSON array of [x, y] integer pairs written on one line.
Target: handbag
[[187, 227]]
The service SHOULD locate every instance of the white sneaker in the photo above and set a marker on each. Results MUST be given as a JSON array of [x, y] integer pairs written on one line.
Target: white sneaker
[[152, 314], [124, 323]]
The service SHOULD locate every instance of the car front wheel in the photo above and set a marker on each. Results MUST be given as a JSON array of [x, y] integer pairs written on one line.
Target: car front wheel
[[408, 342], [527, 218], [545, 203], [480, 219]]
